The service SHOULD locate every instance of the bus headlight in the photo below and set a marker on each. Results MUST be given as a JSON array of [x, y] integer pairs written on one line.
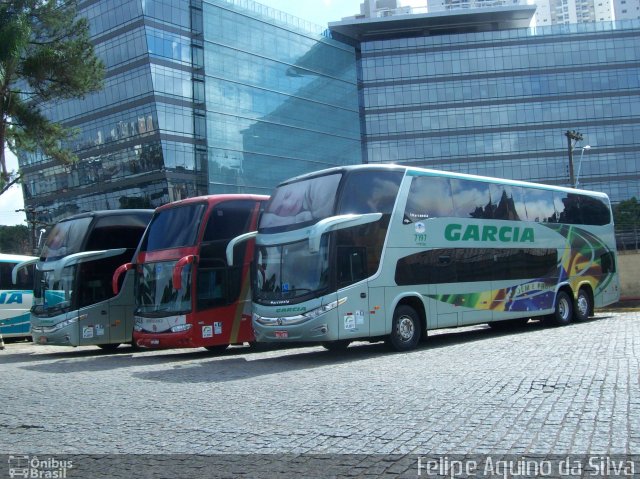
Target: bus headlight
[[56, 327], [324, 309]]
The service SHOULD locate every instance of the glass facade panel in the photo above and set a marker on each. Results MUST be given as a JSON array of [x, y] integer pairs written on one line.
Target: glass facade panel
[[498, 103], [281, 100], [213, 96]]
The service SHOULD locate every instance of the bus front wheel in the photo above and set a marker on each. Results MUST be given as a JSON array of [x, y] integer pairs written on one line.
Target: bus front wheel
[[405, 329], [564, 309]]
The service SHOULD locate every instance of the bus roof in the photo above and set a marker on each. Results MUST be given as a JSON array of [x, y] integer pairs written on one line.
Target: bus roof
[[413, 170], [212, 199], [103, 213]]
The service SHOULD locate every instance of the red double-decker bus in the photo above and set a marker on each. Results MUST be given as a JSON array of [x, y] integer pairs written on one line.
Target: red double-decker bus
[[187, 295]]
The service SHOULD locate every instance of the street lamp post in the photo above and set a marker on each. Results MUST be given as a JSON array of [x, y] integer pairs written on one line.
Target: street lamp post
[[585, 147], [572, 135]]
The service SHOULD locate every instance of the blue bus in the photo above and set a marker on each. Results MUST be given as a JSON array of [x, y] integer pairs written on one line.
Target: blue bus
[[15, 299]]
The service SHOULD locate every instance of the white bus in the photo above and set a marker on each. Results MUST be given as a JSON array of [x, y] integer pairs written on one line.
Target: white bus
[[374, 252], [15, 299]]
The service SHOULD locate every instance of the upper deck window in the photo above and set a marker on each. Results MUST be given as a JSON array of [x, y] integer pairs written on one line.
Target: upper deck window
[[174, 228], [302, 202], [66, 238]]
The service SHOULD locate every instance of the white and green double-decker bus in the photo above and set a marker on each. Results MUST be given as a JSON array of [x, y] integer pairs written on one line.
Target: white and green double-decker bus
[[389, 252]]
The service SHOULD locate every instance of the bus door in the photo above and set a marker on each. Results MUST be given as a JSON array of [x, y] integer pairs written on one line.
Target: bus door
[[353, 314], [93, 317], [102, 318], [121, 308]]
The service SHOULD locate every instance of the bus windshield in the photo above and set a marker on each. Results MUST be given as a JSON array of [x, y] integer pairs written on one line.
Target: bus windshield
[[290, 271], [155, 291], [65, 238], [52, 296], [304, 202], [173, 228]]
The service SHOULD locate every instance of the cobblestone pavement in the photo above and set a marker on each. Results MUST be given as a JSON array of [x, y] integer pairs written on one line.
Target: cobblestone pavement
[[533, 391]]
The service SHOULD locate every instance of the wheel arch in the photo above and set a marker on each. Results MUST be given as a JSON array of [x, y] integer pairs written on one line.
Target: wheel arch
[[414, 300], [566, 287]]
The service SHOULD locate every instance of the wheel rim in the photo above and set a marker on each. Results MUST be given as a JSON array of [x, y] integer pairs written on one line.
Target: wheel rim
[[583, 305], [405, 329], [563, 308]]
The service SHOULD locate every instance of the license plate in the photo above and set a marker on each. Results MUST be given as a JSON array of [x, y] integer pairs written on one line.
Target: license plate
[[154, 342], [282, 334], [43, 340]]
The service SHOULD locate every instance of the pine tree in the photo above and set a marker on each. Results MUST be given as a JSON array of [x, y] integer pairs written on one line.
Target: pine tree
[[45, 55]]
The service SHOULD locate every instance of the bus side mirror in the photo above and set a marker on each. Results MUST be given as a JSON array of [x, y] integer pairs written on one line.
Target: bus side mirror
[[177, 270], [116, 276], [235, 241], [337, 223]]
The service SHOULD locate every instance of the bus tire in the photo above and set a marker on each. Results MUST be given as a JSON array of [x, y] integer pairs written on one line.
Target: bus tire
[[582, 309], [218, 348], [564, 309], [109, 347], [336, 346], [405, 329]]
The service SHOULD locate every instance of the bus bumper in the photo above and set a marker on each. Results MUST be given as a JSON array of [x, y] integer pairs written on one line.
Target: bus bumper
[[65, 336], [164, 340], [319, 329]]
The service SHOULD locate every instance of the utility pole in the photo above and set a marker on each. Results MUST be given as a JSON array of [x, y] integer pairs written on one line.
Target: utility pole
[[575, 136], [33, 222]]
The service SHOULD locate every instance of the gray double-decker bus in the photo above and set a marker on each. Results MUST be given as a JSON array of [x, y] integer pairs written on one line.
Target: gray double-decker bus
[[73, 301]]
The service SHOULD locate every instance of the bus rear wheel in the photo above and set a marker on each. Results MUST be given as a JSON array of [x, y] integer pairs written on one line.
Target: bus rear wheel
[[405, 329], [564, 309], [582, 310]]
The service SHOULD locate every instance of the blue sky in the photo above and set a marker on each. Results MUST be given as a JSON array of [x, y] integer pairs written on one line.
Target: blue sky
[[320, 12]]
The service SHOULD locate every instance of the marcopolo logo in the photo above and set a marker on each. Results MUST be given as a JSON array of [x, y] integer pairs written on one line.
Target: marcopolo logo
[[502, 234], [37, 467]]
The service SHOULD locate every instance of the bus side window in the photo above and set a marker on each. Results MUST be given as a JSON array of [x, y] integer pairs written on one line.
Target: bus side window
[[540, 205], [429, 197], [567, 208], [607, 263], [219, 285], [594, 211], [352, 264], [471, 199], [507, 202], [25, 278]]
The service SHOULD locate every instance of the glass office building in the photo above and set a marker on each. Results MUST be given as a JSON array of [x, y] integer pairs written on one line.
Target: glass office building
[[460, 94], [223, 96], [200, 97]]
